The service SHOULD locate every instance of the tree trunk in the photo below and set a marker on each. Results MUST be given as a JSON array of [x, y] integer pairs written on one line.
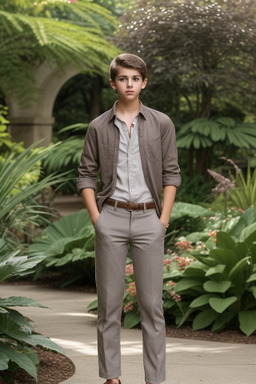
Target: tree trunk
[[203, 156]]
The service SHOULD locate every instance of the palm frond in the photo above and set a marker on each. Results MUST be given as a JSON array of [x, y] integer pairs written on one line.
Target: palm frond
[[55, 31]]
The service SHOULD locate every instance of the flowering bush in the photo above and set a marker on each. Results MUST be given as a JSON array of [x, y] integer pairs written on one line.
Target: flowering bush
[[130, 305]]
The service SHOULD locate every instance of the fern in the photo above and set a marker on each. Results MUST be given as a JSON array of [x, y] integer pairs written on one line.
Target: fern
[[55, 31]]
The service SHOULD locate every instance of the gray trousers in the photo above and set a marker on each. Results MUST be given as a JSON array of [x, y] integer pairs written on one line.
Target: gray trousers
[[114, 230]]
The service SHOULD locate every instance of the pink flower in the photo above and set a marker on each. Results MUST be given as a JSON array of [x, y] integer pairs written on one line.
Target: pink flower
[[184, 245], [183, 262], [174, 295], [128, 307], [171, 283], [213, 234], [129, 269], [132, 289]]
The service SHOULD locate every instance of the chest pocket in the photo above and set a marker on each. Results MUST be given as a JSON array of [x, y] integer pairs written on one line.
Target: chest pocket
[[153, 150]]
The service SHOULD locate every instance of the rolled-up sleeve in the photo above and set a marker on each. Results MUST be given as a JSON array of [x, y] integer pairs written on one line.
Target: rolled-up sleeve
[[89, 164], [171, 169]]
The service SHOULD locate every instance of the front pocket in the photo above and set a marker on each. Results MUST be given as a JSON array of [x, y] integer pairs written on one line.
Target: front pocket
[[159, 222], [98, 221]]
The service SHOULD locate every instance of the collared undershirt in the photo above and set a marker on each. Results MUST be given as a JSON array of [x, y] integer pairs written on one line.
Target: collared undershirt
[[130, 185]]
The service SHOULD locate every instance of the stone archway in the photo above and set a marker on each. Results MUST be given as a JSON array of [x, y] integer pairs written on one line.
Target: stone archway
[[34, 123]]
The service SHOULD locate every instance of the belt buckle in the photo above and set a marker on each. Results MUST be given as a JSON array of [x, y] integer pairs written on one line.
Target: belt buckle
[[129, 206]]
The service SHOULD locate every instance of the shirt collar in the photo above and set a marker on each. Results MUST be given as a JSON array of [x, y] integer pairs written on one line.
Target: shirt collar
[[142, 111]]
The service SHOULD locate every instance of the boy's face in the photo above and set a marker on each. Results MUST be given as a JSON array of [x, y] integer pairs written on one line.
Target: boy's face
[[128, 83]]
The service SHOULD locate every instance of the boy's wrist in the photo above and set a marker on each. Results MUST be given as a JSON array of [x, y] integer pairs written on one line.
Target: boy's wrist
[[165, 223], [94, 218]]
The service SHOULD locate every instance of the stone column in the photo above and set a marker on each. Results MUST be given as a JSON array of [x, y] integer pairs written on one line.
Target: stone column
[[31, 129]]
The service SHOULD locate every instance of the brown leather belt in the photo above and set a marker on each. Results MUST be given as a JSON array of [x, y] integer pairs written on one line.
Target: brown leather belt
[[130, 206]]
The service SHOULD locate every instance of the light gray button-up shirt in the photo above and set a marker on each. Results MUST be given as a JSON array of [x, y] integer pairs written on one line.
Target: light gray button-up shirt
[[130, 184]]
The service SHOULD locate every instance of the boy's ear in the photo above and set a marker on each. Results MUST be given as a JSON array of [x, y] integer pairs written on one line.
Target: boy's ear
[[145, 81], [112, 83]]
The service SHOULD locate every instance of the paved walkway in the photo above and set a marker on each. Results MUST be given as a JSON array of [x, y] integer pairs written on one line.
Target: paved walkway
[[188, 361]]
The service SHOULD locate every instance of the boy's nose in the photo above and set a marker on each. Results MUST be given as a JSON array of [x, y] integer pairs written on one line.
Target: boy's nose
[[129, 83]]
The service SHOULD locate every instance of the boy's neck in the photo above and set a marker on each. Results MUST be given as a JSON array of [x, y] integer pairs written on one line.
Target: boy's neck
[[132, 107]]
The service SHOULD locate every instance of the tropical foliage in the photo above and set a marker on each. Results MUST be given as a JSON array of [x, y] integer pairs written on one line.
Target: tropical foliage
[[7, 146], [218, 288], [243, 195], [20, 193], [67, 155], [16, 332], [58, 31], [20, 213], [205, 136], [238, 191], [68, 246]]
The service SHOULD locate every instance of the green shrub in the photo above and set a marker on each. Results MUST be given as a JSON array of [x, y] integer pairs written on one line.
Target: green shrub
[[243, 195], [20, 210], [7, 146], [67, 246], [237, 190], [218, 288], [16, 333]]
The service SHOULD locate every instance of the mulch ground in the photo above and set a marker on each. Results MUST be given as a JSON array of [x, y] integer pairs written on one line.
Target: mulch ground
[[55, 368]]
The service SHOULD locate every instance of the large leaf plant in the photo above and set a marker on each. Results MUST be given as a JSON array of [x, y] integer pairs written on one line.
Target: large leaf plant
[[202, 136], [218, 289], [17, 336], [68, 247]]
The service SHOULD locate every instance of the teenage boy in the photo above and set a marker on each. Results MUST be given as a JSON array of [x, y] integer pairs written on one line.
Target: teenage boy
[[133, 147]]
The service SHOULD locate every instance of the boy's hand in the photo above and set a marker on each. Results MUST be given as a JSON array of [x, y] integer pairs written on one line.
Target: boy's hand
[[90, 203], [165, 224], [94, 218]]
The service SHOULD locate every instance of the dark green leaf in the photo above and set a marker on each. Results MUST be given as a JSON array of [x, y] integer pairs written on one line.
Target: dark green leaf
[[217, 286], [204, 319], [131, 319], [221, 304]]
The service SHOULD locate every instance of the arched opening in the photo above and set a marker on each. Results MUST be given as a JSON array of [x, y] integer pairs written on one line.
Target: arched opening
[[81, 99]]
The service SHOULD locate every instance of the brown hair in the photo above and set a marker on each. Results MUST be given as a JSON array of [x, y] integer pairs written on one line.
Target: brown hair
[[128, 60]]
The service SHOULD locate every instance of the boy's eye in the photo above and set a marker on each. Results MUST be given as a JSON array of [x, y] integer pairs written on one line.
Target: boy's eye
[[122, 78], [136, 79]]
